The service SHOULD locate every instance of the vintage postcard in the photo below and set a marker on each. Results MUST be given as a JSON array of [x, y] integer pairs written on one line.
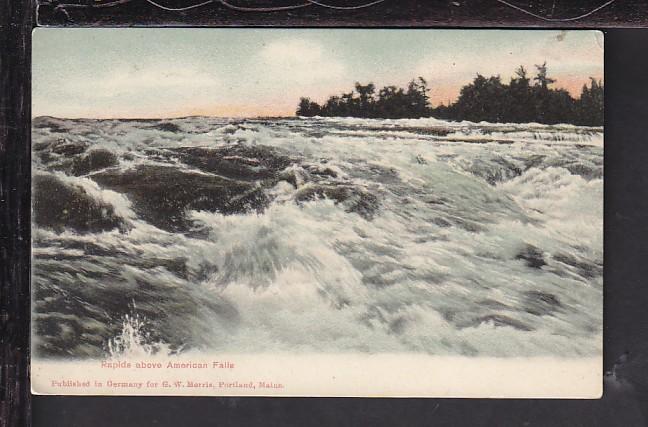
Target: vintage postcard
[[331, 212]]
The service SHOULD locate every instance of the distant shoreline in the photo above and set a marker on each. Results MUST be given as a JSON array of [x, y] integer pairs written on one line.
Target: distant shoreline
[[143, 119], [523, 99], [270, 118]]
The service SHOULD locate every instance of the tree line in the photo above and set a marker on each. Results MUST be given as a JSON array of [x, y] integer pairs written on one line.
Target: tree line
[[523, 99]]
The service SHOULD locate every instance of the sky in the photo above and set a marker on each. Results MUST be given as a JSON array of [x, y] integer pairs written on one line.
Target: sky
[[164, 72]]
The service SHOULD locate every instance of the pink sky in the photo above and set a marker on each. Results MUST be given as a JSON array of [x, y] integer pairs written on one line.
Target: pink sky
[[263, 72]]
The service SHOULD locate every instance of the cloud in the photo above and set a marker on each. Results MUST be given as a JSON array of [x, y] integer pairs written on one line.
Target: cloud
[[131, 73], [299, 61], [138, 89], [133, 79]]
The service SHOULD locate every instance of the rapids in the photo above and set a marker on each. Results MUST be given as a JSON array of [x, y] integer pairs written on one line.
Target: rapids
[[318, 234]]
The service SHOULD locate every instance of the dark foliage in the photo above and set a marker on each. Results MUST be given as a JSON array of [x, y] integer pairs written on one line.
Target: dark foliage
[[523, 99], [390, 102]]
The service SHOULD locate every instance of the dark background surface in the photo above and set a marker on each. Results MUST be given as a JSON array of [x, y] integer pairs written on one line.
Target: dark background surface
[[563, 13], [625, 402], [15, 44]]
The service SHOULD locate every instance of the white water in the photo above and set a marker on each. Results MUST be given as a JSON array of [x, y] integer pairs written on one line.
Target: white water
[[436, 269]]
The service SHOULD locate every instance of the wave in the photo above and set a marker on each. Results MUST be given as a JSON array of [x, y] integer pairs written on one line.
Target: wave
[[317, 234]]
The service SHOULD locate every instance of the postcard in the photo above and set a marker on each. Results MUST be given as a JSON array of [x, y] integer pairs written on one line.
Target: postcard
[[317, 212]]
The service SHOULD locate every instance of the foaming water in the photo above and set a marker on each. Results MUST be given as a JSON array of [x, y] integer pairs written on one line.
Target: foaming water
[[134, 341], [324, 235]]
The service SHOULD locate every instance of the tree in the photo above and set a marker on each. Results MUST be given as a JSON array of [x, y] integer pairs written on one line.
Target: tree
[[308, 108], [391, 103], [519, 105], [521, 74], [366, 100], [483, 99], [417, 92], [589, 106], [541, 78]]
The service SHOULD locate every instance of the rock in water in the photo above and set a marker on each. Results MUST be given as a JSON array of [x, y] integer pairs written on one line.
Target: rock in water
[[354, 199], [69, 148], [162, 195], [94, 160], [238, 161], [584, 268], [167, 127], [540, 303], [58, 205], [533, 256]]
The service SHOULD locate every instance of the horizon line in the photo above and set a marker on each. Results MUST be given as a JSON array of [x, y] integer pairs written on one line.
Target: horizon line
[[191, 116]]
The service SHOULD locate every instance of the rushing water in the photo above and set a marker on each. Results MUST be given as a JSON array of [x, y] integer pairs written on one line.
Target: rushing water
[[317, 234]]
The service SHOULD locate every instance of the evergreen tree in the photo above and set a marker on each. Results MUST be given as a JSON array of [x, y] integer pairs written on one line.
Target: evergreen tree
[[541, 78], [483, 99], [307, 108], [519, 105], [365, 100], [589, 107], [417, 93]]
